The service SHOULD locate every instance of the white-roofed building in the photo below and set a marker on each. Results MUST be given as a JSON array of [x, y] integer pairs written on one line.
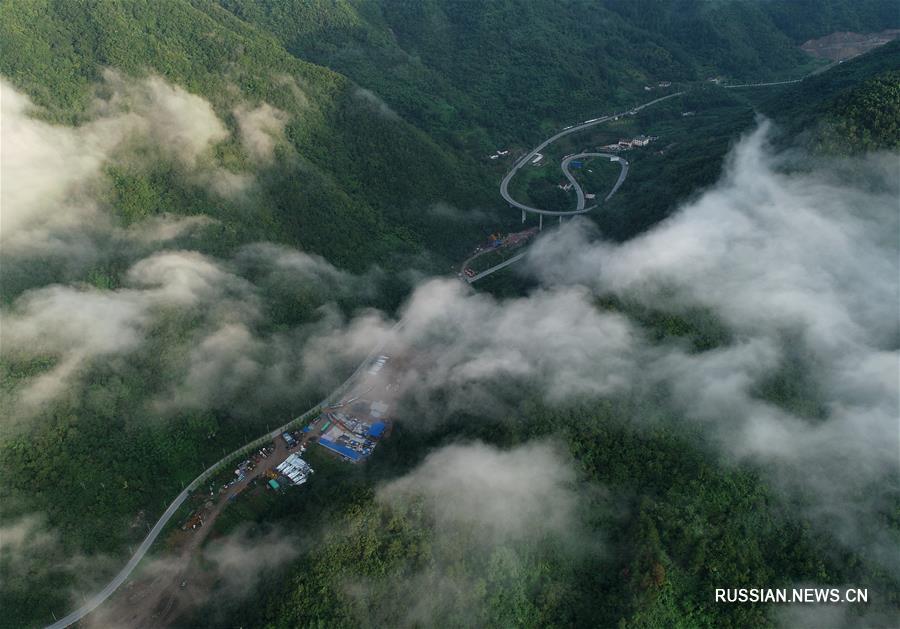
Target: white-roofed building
[[295, 469]]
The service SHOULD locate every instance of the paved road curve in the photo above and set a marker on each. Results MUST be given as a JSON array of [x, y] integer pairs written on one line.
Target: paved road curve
[[95, 601], [579, 206], [504, 185], [579, 209], [125, 572], [580, 203]]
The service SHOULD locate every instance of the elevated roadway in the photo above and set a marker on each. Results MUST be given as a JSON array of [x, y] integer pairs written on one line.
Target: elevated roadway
[[122, 576], [526, 159]]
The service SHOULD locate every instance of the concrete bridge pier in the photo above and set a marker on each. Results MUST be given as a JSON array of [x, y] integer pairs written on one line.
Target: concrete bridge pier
[[523, 216], [541, 222]]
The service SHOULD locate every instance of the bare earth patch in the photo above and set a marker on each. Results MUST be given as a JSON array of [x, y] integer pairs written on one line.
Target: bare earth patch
[[846, 45]]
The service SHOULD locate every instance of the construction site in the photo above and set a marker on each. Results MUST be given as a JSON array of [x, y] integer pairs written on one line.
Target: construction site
[[349, 429], [352, 428], [495, 244]]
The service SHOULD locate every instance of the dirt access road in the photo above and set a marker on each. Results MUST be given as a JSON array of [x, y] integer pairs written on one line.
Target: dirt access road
[[157, 598]]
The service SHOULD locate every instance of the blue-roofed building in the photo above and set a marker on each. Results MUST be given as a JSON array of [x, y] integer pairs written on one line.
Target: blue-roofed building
[[344, 451], [376, 430]]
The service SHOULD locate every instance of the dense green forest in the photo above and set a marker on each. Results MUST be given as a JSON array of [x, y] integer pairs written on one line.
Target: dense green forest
[[671, 524], [853, 108], [850, 109], [482, 74], [676, 522], [347, 180], [379, 113], [352, 183]]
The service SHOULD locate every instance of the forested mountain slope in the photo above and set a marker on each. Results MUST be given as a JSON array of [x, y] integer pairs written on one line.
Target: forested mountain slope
[[852, 108], [484, 72], [148, 149], [351, 180], [244, 180], [683, 520]]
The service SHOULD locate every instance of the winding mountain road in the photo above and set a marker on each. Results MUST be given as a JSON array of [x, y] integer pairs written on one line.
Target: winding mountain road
[[579, 209], [579, 192], [579, 206], [95, 601], [526, 159]]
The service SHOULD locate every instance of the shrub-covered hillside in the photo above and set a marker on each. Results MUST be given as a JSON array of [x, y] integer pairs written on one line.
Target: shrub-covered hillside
[[352, 181], [852, 108], [486, 72]]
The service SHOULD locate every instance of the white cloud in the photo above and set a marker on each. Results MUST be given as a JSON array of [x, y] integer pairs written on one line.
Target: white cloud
[[219, 370], [487, 513], [75, 324], [72, 325], [240, 560], [375, 101], [793, 262], [796, 264], [165, 227], [779, 257], [45, 170], [179, 122], [52, 174], [261, 129], [458, 343], [519, 494], [185, 278]]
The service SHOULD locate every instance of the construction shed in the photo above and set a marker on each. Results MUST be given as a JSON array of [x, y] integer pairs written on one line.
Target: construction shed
[[295, 468], [344, 451]]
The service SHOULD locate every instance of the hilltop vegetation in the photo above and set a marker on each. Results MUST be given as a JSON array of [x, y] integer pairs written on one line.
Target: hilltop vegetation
[[671, 525], [481, 73], [351, 182], [852, 108], [327, 169], [354, 132]]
